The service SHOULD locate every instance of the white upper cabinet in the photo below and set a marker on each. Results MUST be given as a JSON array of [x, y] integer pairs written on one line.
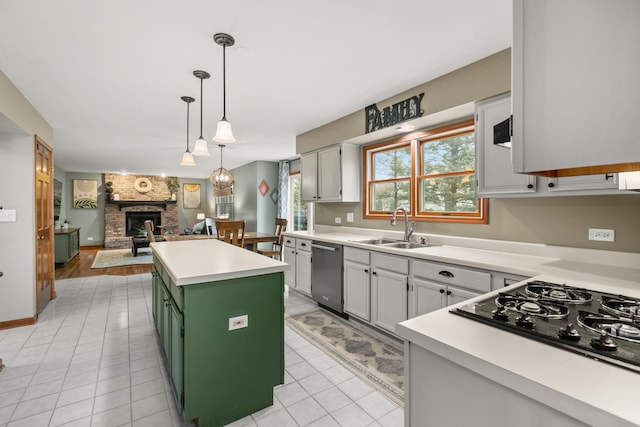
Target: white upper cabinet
[[493, 162], [575, 86], [331, 174]]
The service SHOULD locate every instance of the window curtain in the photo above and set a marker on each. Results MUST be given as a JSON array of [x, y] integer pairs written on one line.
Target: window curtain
[[283, 188]]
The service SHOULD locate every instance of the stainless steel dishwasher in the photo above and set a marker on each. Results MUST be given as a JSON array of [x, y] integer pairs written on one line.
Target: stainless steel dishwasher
[[326, 274]]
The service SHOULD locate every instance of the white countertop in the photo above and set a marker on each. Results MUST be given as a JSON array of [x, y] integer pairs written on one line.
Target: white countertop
[[595, 392], [208, 260]]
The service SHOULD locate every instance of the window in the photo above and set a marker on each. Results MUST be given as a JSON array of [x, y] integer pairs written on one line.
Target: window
[[300, 213], [432, 176]]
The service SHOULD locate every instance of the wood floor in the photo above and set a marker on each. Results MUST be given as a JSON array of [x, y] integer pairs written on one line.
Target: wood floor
[[80, 266]]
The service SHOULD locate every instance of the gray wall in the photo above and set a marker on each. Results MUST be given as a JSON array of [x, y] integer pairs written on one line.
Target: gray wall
[[259, 212], [187, 217]]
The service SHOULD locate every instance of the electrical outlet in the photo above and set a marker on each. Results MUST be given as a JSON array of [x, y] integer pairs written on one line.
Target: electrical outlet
[[338, 220], [238, 322], [349, 216], [601, 234]]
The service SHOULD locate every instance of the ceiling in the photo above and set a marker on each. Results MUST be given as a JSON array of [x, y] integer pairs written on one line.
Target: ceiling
[[108, 75]]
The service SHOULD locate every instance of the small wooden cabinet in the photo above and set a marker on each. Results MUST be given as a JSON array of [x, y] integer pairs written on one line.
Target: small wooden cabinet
[[303, 266], [357, 283], [389, 288], [67, 245], [289, 256]]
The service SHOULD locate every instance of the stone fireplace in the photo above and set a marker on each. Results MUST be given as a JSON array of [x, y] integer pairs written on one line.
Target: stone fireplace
[[125, 216]]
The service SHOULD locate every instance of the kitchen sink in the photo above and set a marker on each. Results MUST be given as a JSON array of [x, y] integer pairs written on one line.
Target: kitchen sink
[[406, 245], [378, 241], [393, 243]]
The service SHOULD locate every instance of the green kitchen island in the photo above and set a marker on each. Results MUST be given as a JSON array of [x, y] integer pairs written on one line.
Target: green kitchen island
[[219, 313]]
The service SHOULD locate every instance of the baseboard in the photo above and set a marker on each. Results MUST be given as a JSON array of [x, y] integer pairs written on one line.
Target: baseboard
[[7, 324]]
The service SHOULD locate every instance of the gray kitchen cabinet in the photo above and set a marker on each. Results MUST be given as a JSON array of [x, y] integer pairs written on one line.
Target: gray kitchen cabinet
[[357, 283], [436, 285], [575, 67], [331, 174], [389, 286], [494, 172], [303, 266], [289, 256]]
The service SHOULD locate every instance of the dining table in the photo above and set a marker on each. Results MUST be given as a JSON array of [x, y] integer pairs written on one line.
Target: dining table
[[251, 238]]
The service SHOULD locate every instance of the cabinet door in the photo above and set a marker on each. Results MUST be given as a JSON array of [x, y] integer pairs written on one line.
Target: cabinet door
[[389, 299], [289, 256], [309, 177], [176, 353], [166, 323], [329, 178], [584, 182], [493, 162], [156, 295], [427, 297], [455, 295], [303, 272], [357, 290], [575, 96]]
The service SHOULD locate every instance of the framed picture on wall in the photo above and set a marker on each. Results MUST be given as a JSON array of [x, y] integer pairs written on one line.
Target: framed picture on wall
[[85, 194], [191, 196]]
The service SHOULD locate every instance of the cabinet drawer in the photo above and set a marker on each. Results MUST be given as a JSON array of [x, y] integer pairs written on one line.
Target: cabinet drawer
[[390, 263], [289, 242], [470, 279], [176, 293], [356, 255], [303, 245]]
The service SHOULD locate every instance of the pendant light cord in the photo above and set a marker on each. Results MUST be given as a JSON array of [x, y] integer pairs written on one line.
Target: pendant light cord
[[201, 108], [188, 126], [224, 82]]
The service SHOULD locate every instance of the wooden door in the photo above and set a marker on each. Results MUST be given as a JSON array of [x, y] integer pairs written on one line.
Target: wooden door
[[44, 221]]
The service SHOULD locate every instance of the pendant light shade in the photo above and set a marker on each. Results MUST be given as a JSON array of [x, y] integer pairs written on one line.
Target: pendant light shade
[[221, 178], [224, 133], [201, 149], [187, 157]]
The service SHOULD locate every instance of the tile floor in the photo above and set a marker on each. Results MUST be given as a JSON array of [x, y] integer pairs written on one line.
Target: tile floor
[[93, 360]]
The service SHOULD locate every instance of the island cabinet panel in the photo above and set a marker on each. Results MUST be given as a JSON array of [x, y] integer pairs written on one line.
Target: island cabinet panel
[[221, 375]]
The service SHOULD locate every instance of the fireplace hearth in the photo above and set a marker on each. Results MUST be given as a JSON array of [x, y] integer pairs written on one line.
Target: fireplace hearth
[[135, 222]]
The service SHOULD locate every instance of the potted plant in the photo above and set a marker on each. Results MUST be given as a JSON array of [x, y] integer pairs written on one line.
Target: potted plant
[[142, 231], [172, 186], [108, 189]]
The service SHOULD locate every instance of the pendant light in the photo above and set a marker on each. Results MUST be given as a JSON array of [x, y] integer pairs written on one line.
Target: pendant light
[[221, 178], [200, 149], [223, 130], [187, 157]]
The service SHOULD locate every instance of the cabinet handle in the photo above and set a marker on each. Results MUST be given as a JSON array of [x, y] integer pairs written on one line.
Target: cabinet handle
[[303, 244], [442, 291], [608, 176], [446, 273], [448, 292], [530, 186], [366, 270], [374, 273], [551, 185]]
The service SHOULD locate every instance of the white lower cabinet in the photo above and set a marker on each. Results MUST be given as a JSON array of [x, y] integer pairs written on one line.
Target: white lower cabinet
[[357, 283], [289, 256], [303, 266], [435, 285], [389, 285]]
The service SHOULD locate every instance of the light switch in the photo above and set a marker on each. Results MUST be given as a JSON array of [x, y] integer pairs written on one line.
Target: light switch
[[7, 215], [349, 216]]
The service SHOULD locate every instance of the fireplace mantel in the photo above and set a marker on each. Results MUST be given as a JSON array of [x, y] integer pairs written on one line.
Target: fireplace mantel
[[126, 203]]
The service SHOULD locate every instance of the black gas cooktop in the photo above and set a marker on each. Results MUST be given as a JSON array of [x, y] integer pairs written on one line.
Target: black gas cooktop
[[600, 325]]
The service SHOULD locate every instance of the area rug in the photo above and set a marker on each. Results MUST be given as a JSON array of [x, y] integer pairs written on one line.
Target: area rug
[[362, 353], [121, 257]]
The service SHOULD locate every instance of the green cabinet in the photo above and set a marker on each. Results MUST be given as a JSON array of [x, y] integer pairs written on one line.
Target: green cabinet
[[221, 375], [67, 245]]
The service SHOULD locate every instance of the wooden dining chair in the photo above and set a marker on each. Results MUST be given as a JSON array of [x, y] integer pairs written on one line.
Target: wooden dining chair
[[148, 225], [231, 232], [276, 247]]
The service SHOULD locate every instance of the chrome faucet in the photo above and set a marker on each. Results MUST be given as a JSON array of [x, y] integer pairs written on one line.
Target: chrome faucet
[[408, 225]]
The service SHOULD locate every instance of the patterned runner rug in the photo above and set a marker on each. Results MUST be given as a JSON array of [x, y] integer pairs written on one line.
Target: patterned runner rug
[[370, 358], [121, 257]]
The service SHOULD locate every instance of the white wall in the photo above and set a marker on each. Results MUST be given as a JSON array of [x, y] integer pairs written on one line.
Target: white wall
[[17, 239]]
